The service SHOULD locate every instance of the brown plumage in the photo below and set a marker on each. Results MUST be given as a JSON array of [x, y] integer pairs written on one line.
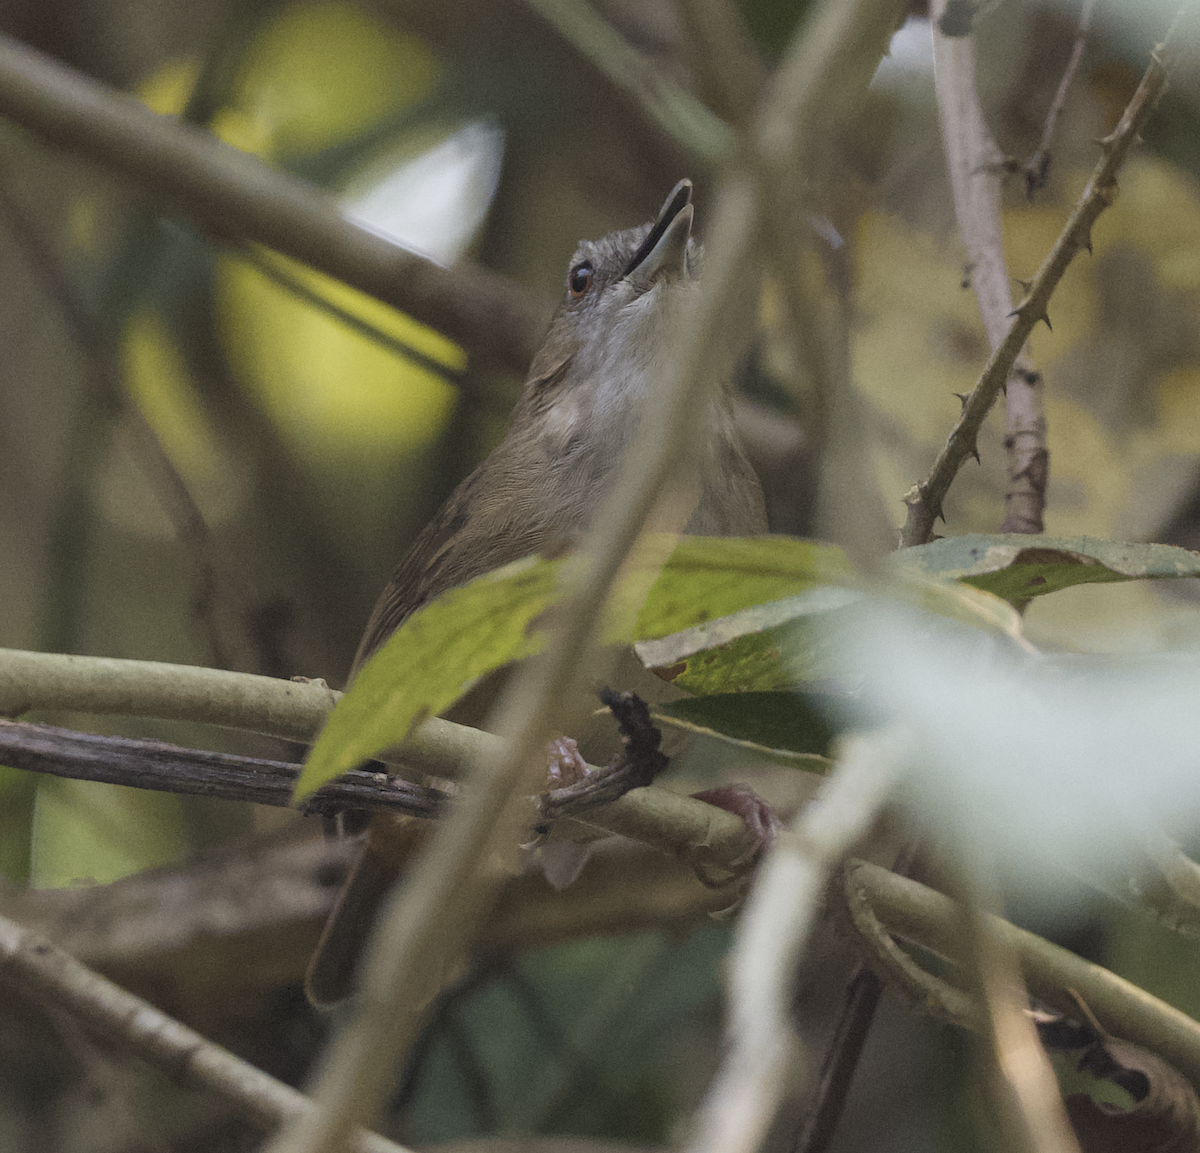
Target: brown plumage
[[626, 296]]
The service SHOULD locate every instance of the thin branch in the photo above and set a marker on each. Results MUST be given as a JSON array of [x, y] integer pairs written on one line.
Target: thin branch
[[763, 1051], [672, 107], [931, 920], [925, 499], [844, 1050], [43, 971], [975, 165], [235, 197], [892, 964], [702, 835], [1020, 1082], [729, 70], [1037, 167], [162, 767]]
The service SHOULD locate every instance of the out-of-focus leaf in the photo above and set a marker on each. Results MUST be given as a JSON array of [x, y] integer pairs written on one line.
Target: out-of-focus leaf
[[17, 794], [320, 73], [333, 393], [89, 833], [1018, 567], [430, 661], [1165, 1114], [784, 726]]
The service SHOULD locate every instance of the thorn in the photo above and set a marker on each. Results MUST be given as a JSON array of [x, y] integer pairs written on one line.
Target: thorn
[[1085, 238], [974, 451], [962, 398], [1107, 142], [1023, 307], [1026, 285]]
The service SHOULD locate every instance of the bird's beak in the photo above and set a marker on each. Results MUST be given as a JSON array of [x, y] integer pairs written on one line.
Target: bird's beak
[[664, 251]]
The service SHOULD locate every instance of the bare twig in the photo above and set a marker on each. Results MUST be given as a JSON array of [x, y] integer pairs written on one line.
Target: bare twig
[[43, 971], [729, 70], [853, 1026], [673, 108], [1037, 167], [702, 834], [236, 197], [762, 1059], [1019, 1080], [162, 767], [975, 166], [925, 499]]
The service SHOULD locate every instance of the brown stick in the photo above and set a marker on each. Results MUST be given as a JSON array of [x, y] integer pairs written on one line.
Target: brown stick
[[169, 768], [43, 971]]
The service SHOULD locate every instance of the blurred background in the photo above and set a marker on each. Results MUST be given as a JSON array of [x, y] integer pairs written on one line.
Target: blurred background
[[149, 373]]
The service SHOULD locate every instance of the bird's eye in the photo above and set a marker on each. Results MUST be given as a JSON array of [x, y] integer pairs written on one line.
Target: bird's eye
[[579, 280]]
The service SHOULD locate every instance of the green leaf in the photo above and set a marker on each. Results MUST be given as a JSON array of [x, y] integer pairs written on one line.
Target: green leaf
[[783, 726], [768, 647], [709, 577], [1018, 567], [796, 642], [435, 656]]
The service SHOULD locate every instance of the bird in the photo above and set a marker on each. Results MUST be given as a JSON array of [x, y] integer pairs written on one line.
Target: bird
[[607, 348]]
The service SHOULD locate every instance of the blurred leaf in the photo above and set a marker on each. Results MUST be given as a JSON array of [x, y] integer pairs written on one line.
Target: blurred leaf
[[784, 726], [320, 73], [435, 656], [89, 833], [17, 794], [1018, 567], [333, 393]]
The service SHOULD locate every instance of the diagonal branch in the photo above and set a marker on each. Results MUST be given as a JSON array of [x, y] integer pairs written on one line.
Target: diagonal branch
[[975, 165], [925, 499], [53, 977], [235, 197]]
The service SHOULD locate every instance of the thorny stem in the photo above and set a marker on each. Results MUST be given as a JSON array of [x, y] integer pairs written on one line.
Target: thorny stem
[[925, 499]]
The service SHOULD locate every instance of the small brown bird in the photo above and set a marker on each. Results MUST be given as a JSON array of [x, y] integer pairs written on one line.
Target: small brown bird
[[626, 296]]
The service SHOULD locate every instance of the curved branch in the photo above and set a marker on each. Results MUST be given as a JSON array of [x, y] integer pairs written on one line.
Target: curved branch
[[1051, 973]]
